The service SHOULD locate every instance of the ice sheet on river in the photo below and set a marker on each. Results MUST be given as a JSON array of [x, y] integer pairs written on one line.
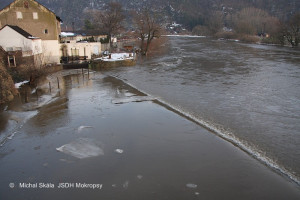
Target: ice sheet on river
[[82, 148]]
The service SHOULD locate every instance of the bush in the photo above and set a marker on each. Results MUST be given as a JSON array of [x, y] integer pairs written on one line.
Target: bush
[[226, 35], [249, 38], [104, 40], [271, 40], [201, 30], [7, 86]]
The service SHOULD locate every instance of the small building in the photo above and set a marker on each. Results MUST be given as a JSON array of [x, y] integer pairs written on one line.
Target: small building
[[75, 46], [37, 20], [80, 50], [67, 37], [21, 47]]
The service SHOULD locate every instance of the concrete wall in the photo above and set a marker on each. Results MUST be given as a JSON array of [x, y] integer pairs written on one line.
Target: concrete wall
[[46, 20], [51, 51], [83, 48]]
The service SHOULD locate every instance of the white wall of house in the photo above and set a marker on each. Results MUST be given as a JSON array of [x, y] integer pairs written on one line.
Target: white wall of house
[[51, 51], [10, 40], [83, 49]]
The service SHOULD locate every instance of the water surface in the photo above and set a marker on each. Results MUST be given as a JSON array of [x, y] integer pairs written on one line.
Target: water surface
[[247, 93]]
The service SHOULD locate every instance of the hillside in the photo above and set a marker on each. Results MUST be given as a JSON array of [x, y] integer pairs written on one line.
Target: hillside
[[187, 12]]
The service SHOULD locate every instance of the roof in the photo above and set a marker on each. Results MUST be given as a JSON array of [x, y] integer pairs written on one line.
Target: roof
[[90, 32], [6, 3], [21, 31]]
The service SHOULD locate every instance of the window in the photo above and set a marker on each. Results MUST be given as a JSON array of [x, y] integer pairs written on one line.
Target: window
[[35, 15], [46, 31], [11, 61], [19, 15], [75, 52], [26, 5]]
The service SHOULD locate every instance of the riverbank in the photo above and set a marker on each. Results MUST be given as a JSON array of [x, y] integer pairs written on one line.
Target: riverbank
[[100, 131], [13, 78]]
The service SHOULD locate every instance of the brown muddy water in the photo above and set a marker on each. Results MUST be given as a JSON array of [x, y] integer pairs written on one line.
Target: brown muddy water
[[100, 138]]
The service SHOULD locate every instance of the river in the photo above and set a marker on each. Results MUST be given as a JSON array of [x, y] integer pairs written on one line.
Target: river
[[247, 93], [206, 119]]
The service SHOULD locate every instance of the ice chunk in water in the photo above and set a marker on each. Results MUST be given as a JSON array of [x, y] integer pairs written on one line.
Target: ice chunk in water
[[126, 184], [191, 185], [82, 148], [120, 151], [83, 127], [139, 177]]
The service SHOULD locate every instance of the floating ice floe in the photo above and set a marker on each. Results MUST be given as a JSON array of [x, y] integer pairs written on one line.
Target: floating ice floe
[[83, 127], [126, 184], [82, 148], [191, 185], [133, 99], [139, 177], [120, 151]]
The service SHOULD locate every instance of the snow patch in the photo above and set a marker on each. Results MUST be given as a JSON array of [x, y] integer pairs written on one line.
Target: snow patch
[[18, 85], [117, 57], [67, 34]]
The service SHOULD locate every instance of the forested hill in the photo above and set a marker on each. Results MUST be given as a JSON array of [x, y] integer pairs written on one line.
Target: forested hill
[[187, 12]]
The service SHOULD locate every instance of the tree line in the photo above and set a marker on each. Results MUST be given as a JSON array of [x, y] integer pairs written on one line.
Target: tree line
[[111, 21], [250, 22]]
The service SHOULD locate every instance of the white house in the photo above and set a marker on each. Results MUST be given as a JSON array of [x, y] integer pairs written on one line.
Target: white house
[[15, 39]]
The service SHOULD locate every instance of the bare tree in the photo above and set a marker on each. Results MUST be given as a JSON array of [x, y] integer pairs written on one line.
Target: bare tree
[[111, 19], [215, 22], [147, 29], [292, 30], [250, 21]]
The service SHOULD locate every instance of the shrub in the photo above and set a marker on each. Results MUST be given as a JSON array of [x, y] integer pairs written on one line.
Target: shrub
[[226, 35], [7, 86], [249, 38]]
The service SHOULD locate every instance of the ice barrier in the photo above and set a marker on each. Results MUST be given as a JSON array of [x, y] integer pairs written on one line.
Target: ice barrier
[[132, 99], [226, 135], [82, 148]]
